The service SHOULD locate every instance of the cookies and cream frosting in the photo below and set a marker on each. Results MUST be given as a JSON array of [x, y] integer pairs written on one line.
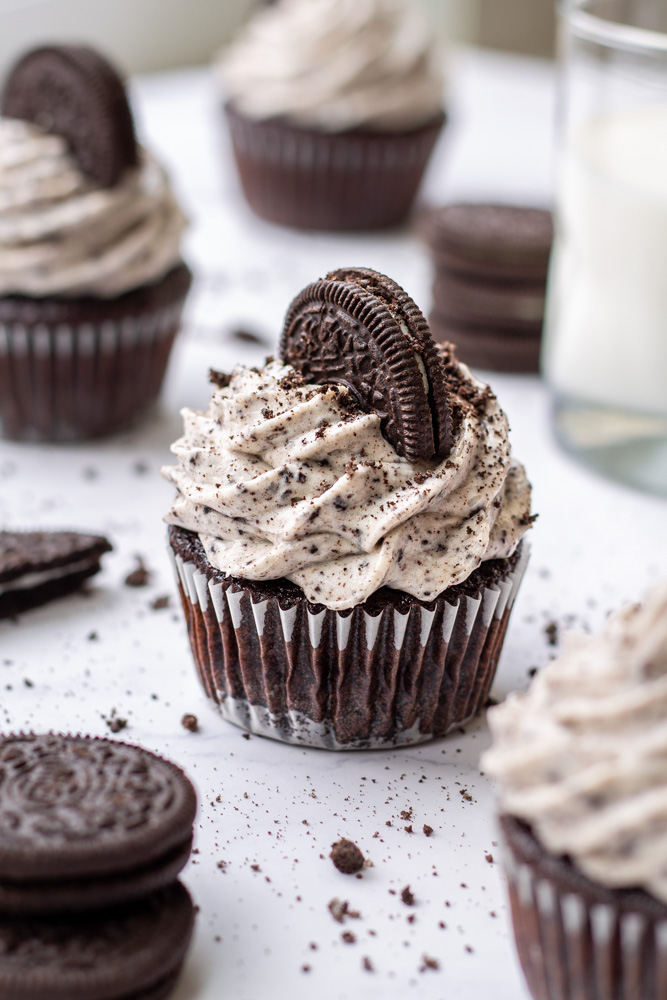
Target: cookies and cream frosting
[[284, 479], [582, 756], [62, 236], [336, 65]]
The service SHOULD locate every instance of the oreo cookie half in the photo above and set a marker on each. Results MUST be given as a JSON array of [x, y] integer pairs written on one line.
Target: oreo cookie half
[[72, 91], [133, 952], [38, 566], [88, 822], [361, 329]]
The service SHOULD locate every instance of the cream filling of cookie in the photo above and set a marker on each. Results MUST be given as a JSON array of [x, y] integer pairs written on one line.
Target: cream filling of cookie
[[336, 65], [29, 581], [582, 756], [62, 236], [284, 480]]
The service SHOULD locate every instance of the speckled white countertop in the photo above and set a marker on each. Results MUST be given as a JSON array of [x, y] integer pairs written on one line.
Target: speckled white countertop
[[268, 812]]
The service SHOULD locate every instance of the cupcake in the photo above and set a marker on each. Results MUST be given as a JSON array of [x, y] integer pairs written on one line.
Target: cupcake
[[334, 107], [581, 764], [347, 528], [91, 279]]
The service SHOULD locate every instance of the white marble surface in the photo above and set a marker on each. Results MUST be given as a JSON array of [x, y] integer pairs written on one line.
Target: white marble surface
[[262, 803]]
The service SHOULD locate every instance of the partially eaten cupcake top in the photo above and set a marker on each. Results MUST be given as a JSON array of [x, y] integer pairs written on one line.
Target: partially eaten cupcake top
[[83, 209], [296, 470]]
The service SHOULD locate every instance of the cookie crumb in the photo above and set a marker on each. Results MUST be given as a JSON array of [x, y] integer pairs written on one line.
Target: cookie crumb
[[347, 857], [340, 909], [408, 896], [348, 937], [190, 722], [115, 723], [367, 965], [429, 963], [140, 576], [164, 601], [428, 830]]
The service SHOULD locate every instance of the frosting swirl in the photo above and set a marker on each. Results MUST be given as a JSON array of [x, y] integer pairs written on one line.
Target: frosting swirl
[[61, 236], [582, 756], [336, 65], [284, 479]]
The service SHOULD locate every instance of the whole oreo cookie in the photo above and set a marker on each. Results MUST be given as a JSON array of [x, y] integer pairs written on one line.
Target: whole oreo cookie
[[361, 329], [72, 91], [87, 823], [133, 952]]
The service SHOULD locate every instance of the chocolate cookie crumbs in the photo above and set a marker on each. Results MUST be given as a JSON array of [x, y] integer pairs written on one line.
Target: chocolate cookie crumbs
[[115, 723], [428, 830], [551, 632], [408, 896], [139, 577], [191, 723], [340, 909], [429, 963], [347, 857], [348, 937], [164, 601], [367, 965]]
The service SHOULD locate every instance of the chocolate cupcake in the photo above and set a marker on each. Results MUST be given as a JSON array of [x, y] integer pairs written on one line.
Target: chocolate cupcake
[[333, 111], [347, 528], [580, 760], [91, 279]]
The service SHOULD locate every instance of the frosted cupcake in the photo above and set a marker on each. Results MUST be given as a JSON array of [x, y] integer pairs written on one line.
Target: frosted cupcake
[[581, 762], [348, 543], [334, 107], [91, 278]]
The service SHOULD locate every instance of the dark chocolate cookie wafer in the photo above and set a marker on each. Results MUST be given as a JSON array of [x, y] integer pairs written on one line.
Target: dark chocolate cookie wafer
[[88, 822], [501, 242], [38, 566], [498, 350], [134, 952], [359, 328], [72, 91]]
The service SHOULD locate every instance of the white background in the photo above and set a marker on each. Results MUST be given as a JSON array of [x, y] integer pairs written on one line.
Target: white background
[[595, 546]]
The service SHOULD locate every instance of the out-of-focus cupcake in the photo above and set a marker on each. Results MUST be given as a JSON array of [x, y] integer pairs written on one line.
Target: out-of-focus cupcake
[[341, 591], [334, 107], [581, 761], [91, 278]]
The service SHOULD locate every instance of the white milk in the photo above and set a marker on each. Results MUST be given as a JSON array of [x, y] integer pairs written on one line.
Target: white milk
[[606, 330]]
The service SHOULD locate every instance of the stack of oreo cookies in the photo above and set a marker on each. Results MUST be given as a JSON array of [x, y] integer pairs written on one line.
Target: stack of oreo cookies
[[491, 266], [93, 834]]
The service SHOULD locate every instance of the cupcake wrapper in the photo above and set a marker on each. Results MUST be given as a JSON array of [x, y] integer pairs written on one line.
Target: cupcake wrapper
[[71, 382], [319, 180], [344, 679], [573, 949]]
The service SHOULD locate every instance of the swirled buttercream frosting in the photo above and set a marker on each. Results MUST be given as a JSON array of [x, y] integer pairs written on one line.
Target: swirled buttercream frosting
[[282, 479], [62, 236], [336, 65], [582, 756]]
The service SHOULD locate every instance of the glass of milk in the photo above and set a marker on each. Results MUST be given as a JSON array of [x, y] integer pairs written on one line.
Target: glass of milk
[[605, 342]]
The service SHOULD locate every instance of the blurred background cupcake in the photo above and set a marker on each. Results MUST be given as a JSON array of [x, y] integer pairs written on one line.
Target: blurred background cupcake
[[581, 764], [91, 278], [334, 107]]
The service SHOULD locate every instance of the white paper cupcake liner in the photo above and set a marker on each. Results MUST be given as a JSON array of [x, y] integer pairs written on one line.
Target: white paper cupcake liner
[[354, 679]]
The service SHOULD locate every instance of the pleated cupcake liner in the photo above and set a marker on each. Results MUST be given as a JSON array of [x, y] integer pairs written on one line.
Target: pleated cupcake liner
[[67, 382], [573, 946], [333, 181], [355, 679]]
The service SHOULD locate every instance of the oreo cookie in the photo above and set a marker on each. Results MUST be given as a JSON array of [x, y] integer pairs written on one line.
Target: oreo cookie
[[491, 265], [38, 566], [133, 952], [361, 329], [87, 823], [72, 91]]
